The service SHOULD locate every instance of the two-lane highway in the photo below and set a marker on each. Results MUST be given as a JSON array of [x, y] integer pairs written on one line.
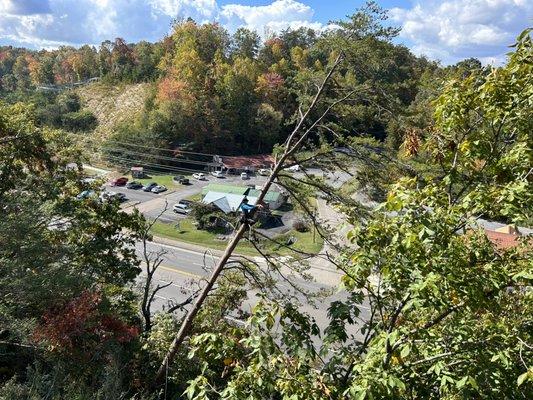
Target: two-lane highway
[[185, 269]]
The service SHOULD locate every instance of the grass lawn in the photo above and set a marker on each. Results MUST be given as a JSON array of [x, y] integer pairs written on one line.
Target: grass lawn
[[195, 197], [188, 233]]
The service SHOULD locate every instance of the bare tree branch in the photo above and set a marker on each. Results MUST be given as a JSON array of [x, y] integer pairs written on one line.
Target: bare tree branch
[[293, 143]]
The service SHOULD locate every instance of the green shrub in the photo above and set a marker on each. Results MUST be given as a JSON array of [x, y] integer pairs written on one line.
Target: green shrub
[[80, 121]]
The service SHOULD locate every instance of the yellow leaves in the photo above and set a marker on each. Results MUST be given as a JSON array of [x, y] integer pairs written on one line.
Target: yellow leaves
[[412, 142], [299, 57], [454, 298], [229, 362], [465, 146]]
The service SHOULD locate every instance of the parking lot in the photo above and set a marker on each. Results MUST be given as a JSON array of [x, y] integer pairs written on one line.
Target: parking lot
[[152, 204]]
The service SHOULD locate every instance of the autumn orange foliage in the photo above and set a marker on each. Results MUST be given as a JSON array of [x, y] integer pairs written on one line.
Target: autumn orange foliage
[[82, 324]]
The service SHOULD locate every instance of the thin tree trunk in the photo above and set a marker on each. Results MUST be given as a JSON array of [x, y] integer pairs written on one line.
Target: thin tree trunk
[[292, 144]]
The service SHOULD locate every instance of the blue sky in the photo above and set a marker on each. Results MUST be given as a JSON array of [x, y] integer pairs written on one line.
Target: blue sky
[[445, 30]]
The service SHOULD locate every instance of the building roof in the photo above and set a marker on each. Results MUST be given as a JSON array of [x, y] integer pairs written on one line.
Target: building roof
[[503, 240], [258, 161], [271, 196], [215, 187], [227, 202]]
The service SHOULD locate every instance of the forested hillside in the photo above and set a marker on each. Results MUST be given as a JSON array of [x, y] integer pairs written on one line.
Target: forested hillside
[[236, 94]]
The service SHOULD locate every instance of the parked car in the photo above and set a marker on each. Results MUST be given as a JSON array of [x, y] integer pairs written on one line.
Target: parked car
[[218, 174], [186, 203], [199, 176], [244, 176], [149, 186], [134, 185], [181, 209], [121, 197], [293, 168], [181, 179], [105, 196], [119, 181], [264, 172], [113, 196], [85, 194], [159, 189]]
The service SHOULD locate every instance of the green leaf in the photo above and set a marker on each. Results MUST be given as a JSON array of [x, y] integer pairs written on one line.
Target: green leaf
[[526, 375], [462, 382], [472, 382], [405, 351]]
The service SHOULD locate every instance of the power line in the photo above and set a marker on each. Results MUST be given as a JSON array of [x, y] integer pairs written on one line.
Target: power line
[[186, 161], [174, 151], [151, 165]]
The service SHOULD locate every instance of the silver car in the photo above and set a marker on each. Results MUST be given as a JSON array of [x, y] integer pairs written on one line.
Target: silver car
[[181, 209], [159, 189], [218, 174]]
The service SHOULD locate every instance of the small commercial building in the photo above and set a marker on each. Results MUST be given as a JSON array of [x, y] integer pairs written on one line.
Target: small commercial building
[[137, 173], [228, 198], [226, 202], [229, 189], [249, 164], [273, 198]]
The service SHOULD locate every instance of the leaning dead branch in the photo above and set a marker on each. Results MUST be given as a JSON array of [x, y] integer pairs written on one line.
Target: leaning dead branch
[[293, 143]]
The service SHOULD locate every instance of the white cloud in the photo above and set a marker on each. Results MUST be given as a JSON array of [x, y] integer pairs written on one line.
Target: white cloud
[[456, 29], [200, 10], [279, 15], [51, 23]]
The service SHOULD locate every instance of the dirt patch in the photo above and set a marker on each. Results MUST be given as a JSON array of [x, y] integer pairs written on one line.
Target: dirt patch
[[113, 105]]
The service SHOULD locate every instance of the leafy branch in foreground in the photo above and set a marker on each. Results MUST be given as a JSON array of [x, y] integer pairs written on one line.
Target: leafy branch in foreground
[[435, 309]]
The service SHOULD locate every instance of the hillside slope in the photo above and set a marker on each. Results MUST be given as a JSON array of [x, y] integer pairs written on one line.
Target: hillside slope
[[113, 104]]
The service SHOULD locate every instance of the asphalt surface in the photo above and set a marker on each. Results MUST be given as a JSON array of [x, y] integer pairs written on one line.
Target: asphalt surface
[[175, 193], [184, 270]]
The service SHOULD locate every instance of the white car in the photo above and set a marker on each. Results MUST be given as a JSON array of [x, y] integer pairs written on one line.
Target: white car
[[293, 168], [245, 176], [159, 189], [199, 176], [218, 174], [264, 172], [181, 209], [105, 196], [110, 196]]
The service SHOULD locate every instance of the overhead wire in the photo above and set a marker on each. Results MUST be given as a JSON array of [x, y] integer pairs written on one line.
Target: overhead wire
[[174, 159], [170, 150], [163, 167]]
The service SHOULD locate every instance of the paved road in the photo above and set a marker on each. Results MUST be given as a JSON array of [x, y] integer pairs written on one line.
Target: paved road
[[185, 269]]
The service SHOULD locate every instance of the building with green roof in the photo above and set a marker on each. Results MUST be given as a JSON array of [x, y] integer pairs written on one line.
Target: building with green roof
[[273, 198], [228, 189]]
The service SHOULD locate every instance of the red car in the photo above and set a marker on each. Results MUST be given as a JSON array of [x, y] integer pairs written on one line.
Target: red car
[[119, 181]]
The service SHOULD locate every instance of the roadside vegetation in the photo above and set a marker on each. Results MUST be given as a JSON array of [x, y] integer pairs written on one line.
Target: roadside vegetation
[[185, 230]]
